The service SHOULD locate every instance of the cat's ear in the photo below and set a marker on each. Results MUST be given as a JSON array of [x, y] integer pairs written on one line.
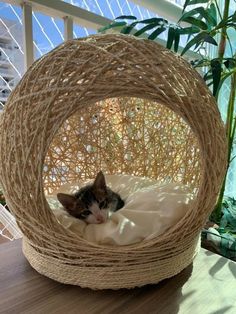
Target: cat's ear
[[68, 201], [100, 182]]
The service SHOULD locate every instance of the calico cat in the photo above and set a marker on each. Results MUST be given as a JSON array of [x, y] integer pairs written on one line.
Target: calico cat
[[92, 202]]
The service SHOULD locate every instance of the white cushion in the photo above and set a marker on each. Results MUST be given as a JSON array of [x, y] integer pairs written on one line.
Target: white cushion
[[150, 209]]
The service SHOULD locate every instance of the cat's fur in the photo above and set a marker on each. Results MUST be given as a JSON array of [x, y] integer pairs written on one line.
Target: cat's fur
[[92, 202]]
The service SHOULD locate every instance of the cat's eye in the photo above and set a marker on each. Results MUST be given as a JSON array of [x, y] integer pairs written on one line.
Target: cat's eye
[[102, 204], [85, 214]]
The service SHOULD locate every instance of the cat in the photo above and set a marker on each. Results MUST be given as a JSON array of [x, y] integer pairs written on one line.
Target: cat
[[92, 203]]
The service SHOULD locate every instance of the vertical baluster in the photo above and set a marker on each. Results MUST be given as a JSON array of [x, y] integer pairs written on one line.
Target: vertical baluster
[[68, 28], [28, 35]]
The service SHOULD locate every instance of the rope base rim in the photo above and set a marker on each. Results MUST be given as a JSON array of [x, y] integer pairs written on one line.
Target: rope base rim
[[109, 277]]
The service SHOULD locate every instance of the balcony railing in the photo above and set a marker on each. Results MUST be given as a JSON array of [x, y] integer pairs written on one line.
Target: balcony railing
[[74, 17], [3, 84]]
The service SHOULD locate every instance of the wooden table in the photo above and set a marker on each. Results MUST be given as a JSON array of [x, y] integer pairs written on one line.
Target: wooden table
[[206, 287]]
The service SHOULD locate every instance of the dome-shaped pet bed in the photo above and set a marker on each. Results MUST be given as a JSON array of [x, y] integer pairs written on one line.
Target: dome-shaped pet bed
[[123, 105]]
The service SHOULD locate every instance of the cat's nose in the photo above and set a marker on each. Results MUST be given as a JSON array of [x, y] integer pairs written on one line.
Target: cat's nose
[[100, 219]]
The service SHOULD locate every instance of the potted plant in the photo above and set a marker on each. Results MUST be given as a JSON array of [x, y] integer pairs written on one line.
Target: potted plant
[[205, 27]]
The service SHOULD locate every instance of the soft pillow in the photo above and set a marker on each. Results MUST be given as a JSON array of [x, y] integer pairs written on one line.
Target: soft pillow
[[150, 209]]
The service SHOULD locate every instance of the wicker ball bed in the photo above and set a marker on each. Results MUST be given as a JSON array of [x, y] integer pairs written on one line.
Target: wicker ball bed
[[119, 104]]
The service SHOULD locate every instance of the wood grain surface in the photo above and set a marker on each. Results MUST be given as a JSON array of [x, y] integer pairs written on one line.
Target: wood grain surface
[[206, 287]]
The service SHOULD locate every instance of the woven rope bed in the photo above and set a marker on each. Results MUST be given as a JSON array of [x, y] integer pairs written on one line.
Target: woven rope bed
[[123, 105]]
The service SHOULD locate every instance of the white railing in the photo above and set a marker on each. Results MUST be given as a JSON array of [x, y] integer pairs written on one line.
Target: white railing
[[72, 14], [69, 13]]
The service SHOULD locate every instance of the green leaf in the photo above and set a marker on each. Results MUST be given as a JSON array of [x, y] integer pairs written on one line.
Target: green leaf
[[196, 22], [116, 24], [186, 4], [223, 79], [127, 29], [198, 44], [111, 25], [126, 17], [197, 39], [188, 30], [155, 20], [210, 83], [176, 43], [206, 14], [222, 23], [230, 63], [233, 16], [229, 21], [213, 13], [216, 73], [200, 63], [170, 37], [231, 25], [208, 76], [190, 2], [157, 32], [210, 39], [187, 14], [144, 29]]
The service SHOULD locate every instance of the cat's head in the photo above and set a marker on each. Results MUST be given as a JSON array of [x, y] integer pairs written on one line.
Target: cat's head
[[90, 203]]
